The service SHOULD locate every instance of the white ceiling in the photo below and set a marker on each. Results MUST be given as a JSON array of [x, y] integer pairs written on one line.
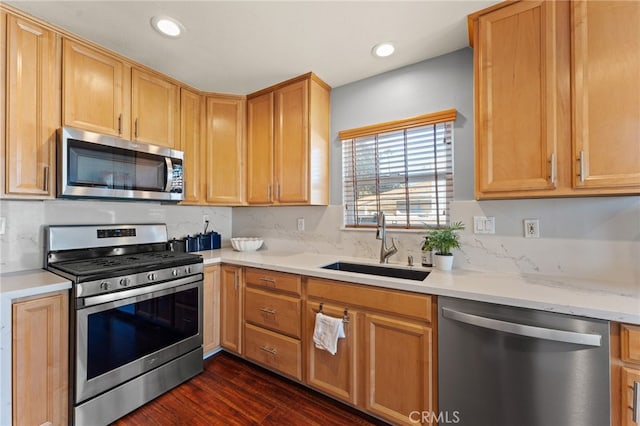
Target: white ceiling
[[243, 46]]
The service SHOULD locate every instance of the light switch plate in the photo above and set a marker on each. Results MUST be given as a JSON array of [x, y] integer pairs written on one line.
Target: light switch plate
[[484, 225]]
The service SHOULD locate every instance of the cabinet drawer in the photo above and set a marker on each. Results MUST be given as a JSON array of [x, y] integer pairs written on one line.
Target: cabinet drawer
[[273, 350], [403, 303], [274, 280], [273, 311], [630, 341]]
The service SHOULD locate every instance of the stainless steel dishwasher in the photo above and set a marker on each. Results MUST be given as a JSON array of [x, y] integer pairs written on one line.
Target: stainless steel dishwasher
[[507, 366]]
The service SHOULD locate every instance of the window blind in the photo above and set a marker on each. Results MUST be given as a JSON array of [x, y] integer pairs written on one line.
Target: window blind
[[407, 173]]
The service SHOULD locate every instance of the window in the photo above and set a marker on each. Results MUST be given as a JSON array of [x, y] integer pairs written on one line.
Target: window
[[403, 168]]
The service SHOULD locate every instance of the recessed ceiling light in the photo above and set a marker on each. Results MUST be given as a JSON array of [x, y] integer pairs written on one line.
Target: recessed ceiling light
[[167, 26], [382, 50]]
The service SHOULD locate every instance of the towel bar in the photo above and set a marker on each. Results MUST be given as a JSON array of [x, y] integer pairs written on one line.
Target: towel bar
[[345, 316]]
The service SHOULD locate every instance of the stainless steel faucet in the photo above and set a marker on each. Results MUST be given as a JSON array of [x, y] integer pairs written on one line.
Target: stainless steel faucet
[[381, 234]]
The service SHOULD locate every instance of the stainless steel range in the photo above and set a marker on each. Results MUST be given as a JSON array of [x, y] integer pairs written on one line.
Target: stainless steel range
[[136, 330]]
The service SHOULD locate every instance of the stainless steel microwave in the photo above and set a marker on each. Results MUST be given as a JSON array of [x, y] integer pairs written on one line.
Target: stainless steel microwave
[[98, 166]]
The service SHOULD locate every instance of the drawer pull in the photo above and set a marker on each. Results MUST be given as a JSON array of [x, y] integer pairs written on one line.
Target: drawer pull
[[268, 311], [268, 280], [272, 351]]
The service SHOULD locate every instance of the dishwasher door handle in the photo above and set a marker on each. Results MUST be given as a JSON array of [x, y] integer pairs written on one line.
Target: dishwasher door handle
[[524, 330]]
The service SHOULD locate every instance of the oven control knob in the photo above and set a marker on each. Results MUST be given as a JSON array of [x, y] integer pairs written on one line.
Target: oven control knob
[[187, 270], [124, 282], [104, 285], [175, 272], [151, 276]]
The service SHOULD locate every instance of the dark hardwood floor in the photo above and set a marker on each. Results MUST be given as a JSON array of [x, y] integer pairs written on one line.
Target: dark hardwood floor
[[232, 391]]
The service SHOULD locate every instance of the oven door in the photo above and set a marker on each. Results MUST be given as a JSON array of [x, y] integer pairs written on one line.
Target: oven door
[[122, 335]]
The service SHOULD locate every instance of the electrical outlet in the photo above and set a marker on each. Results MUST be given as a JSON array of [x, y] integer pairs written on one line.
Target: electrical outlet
[[300, 223], [531, 228], [3, 224]]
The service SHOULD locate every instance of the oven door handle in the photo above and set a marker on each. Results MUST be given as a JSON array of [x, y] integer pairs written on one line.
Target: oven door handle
[[125, 294]]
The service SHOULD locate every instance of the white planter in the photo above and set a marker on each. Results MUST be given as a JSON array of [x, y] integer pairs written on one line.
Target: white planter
[[444, 263]]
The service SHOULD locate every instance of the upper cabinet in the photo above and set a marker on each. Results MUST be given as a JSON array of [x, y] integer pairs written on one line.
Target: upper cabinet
[[103, 94], [96, 90], [557, 111], [605, 88], [288, 143], [191, 137], [155, 109], [31, 72], [224, 150]]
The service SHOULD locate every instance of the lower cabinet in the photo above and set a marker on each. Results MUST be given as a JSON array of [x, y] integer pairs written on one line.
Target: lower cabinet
[[231, 285], [397, 370], [334, 375], [385, 364], [273, 318], [630, 374], [211, 309], [40, 360]]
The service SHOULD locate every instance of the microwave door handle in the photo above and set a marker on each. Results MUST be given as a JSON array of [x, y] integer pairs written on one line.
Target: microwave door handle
[[169, 184]]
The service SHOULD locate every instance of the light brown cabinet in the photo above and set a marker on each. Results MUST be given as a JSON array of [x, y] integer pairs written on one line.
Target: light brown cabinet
[[31, 103], [191, 143], [103, 93], [155, 109], [553, 117], [231, 312], [288, 143], [96, 90], [605, 91], [211, 309], [224, 150], [40, 360], [629, 374], [334, 375], [273, 320], [387, 365]]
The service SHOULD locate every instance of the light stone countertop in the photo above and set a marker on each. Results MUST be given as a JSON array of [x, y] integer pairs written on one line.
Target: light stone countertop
[[595, 299]]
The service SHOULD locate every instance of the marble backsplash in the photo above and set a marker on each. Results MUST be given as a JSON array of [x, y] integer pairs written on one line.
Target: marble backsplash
[[589, 238], [22, 245], [595, 239]]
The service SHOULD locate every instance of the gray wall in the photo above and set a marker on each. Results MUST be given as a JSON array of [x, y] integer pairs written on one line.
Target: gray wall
[[429, 86]]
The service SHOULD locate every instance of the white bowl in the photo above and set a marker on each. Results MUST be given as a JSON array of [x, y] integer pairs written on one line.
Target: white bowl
[[246, 243]]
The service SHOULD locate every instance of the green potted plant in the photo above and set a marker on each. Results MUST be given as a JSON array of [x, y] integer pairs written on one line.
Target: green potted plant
[[442, 240]]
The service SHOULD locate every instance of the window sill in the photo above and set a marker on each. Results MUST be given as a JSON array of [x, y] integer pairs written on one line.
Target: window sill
[[389, 230]]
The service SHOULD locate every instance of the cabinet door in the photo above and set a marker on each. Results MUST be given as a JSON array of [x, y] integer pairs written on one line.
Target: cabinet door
[[291, 143], [516, 99], [630, 398], [224, 151], [334, 375], [191, 144], [95, 90], [606, 94], [260, 149], [231, 308], [32, 108], [40, 360], [211, 308], [397, 368], [155, 109]]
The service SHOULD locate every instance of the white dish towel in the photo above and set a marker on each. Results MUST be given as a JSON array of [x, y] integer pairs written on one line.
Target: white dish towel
[[327, 332]]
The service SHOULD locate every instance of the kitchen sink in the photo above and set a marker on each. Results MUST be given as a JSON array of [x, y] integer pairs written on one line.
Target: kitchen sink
[[384, 271]]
